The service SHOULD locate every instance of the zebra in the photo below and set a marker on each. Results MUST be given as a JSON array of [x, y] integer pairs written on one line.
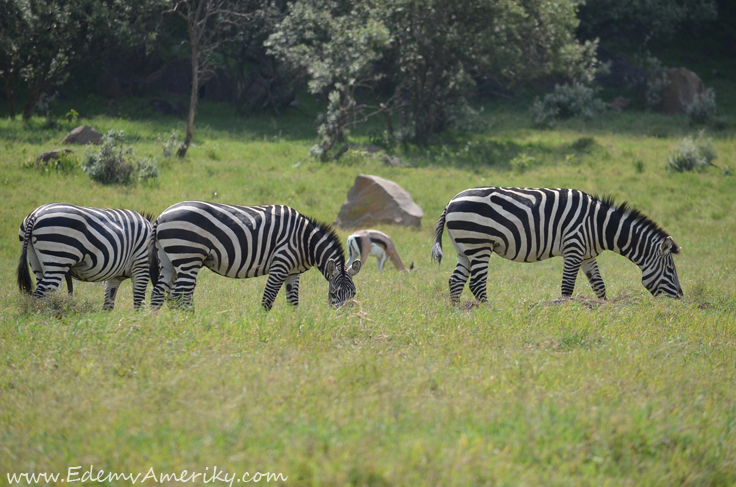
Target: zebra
[[88, 244], [242, 242], [533, 224]]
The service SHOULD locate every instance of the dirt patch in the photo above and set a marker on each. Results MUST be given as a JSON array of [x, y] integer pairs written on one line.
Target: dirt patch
[[593, 302]]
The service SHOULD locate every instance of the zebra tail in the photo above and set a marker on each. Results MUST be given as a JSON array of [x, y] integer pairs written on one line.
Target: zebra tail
[[25, 285], [153, 264], [438, 229]]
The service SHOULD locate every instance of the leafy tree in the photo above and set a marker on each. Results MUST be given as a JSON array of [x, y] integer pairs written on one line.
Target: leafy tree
[[642, 21], [429, 52], [42, 41], [337, 46]]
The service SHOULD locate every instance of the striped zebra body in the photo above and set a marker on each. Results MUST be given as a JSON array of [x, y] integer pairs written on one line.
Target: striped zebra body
[[88, 244], [533, 224], [242, 242]]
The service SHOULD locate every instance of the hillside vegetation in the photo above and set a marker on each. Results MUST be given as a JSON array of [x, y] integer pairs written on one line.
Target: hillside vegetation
[[401, 388]]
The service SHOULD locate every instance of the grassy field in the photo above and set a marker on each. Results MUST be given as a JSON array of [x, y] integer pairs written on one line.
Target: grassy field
[[401, 388]]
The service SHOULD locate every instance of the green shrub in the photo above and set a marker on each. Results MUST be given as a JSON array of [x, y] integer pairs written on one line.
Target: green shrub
[[170, 143], [693, 154], [114, 162], [566, 101], [703, 108], [522, 162]]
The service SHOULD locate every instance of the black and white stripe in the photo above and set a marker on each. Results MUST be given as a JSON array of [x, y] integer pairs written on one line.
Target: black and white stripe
[[529, 225], [88, 244], [242, 242]]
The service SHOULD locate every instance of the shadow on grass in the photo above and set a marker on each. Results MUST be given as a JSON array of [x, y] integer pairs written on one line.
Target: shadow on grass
[[56, 305]]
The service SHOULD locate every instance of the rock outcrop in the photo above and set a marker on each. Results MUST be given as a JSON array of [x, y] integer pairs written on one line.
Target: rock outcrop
[[83, 135], [374, 200]]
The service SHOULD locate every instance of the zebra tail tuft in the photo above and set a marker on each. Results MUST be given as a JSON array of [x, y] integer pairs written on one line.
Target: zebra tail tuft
[[25, 285], [153, 264], [411, 267], [437, 246]]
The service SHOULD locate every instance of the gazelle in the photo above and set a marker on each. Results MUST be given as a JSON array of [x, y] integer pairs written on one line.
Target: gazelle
[[365, 243]]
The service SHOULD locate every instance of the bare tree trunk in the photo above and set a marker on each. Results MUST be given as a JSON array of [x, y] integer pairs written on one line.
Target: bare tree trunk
[[10, 93], [194, 98], [33, 98]]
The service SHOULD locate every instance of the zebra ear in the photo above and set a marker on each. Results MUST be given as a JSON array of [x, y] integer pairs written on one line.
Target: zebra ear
[[331, 268], [668, 246], [354, 269]]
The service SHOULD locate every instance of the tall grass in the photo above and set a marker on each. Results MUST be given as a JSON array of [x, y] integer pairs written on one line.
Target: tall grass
[[401, 388]]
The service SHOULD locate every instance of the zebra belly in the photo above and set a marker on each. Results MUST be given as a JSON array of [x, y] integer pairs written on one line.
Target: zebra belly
[[217, 266]]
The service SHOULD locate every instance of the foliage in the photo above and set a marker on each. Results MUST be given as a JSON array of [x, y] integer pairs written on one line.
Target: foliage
[[423, 56], [692, 154], [522, 162], [114, 162], [338, 50], [72, 115], [566, 101], [170, 143], [655, 84], [703, 108], [210, 25], [640, 21], [41, 41]]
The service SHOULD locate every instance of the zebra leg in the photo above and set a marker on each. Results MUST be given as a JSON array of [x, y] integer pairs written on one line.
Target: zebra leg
[[292, 289], [478, 276], [569, 274], [111, 290], [590, 267], [186, 280], [69, 283], [50, 282], [140, 283], [165, 281], [276, 279], [459, 277]]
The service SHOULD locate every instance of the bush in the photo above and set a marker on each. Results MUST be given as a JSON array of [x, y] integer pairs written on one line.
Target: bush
[[692, 154], [655, 84], [567, 101], [170, 143], [703, 108], [522, 162], [113, 162]]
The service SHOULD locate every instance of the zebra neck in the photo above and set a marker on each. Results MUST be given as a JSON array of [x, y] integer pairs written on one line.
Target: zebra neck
[[630, 237], [320, 249]]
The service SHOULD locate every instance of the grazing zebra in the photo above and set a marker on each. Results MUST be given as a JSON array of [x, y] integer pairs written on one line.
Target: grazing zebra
[[365, 243], [242, 242], [88, 244], [529, 225]]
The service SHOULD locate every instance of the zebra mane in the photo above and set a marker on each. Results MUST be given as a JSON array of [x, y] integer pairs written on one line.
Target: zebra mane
[[148, 216], [327, 230], [607, 201]]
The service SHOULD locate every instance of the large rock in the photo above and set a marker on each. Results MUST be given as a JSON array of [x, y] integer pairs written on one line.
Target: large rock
[[83, 135], [44, 158], [374, 200], [680, 90]]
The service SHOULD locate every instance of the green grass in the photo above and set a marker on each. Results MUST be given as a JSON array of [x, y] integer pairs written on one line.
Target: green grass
[[401, 388]]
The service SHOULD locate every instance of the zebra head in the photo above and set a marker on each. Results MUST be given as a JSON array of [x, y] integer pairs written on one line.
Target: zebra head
[[659, 275], [342, 288]]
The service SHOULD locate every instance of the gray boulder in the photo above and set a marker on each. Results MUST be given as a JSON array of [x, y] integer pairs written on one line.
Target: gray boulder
[[679, 91], [83, 135], [374, 200], [44, 158]]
